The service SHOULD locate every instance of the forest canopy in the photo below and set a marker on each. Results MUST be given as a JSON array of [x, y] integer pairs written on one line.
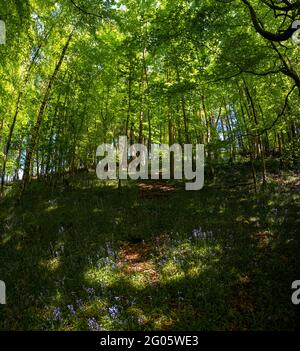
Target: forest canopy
[[79, 251], [78, 73]]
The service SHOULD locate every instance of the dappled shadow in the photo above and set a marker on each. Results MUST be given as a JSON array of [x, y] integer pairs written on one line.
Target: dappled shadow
[[57, 246]]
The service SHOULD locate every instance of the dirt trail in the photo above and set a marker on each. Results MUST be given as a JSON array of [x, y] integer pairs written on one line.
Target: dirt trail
[[135, 258], [156, 189]]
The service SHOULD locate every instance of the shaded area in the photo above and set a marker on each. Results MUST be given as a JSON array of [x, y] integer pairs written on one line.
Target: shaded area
[[220, 258]]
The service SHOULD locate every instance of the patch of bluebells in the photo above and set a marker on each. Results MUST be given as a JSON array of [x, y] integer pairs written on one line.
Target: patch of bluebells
[[93, 325], [110, 251], [106, 262], [201, 235], [113, 311], [57, 316], [163, 260], [90, 291], [71, 309], [197, 234]]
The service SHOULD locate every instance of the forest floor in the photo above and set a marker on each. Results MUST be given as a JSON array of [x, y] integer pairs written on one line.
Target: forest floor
[[152, 256]]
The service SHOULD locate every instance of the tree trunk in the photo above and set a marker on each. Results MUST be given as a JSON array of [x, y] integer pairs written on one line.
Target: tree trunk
[[36, 128]]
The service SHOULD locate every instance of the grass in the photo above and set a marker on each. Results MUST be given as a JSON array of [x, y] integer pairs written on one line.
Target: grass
[[151, 256]]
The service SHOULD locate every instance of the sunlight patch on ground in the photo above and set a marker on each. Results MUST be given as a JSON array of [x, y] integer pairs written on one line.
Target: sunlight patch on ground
[[51, 264], [103, 276]]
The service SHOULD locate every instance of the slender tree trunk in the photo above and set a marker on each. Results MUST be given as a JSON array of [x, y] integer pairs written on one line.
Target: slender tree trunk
[[12, 126], [36, 128], [208, 138], [260, 145], [251, 147], [17, 109]]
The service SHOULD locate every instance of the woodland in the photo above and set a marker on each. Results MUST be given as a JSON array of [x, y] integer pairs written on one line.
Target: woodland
[[80, 253]]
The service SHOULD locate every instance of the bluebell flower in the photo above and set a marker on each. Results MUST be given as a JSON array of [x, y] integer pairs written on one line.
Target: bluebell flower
[[197, 233], [71, 309], [109, 249], [90, 291], [113, 311], [57, 314], [93, 325]]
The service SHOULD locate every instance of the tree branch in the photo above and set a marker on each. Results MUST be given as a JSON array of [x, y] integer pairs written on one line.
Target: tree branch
[[277, 37], [84, 11]]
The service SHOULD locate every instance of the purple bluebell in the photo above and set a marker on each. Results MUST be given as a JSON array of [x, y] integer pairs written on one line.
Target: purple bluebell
[[113, 311], [90, 291], [93, 325], [57, 314], [71, 309]]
